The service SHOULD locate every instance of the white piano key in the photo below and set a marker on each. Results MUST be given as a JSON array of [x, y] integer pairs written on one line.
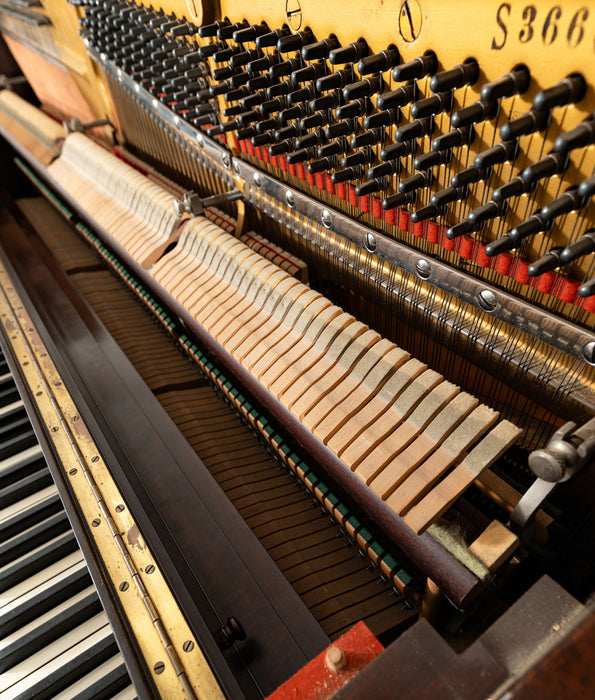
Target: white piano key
[[84, 687], [11, 408], [19, 640], [20, 459], [25, 504], [44, 579], [126, 694], [20, 681]]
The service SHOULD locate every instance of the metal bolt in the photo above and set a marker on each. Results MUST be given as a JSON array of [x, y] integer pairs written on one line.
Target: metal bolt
[[423, 268], [257, 180], [119, 508], [200, 140], [176, 121], [73, 471], [159, 667], [188, 646], [155, 103], [226, 160], [335, 660], [137, 88], [289, 198], [487, 300], [589, 352], [124, 586], [149, 569], [96, 522], [236, 167], [55, 429], [326, 218], [370, 242]]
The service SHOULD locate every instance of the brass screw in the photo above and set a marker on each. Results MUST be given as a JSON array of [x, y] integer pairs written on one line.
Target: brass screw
[[159, 667]]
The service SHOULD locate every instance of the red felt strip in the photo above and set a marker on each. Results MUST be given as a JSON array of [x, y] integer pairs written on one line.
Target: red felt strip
[[433, 232]]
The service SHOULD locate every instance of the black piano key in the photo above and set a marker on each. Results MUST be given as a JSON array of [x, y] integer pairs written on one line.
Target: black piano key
[[44, 630], [25, 486], [37, 559], [33, 536], [39, 509], [45, 596], [17, 443], [112, 681]]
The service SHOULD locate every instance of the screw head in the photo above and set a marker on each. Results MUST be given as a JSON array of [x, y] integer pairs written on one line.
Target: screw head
[[487, 300], [326, 218], [236, 167], [200, 140], [257, 179], [370, 242], [226, 160], [73, 471], [188, 645], [410, 20], [335, 660], [289, 198], [589, 352], [423, 268], [176, 121], [96, 522], [120, 507], [159, 667], [149, 569], [124, 586], [155, 103]]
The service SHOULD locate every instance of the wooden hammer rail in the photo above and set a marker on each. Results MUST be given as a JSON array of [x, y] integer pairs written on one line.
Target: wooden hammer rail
[[423, 395]]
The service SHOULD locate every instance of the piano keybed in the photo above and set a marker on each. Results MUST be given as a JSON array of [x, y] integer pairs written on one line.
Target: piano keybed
[[56, 640]]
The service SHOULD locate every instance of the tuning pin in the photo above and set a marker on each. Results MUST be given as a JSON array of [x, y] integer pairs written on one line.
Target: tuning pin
[[320, 49], [448, 195], [384, 170], [299, 156], [514, 188], [224, 54], [271, 38], [396, 98], [227, 31], [439, 102], [243, 58], [378, 62], [477, 112], [579, 137], [279, 70], [335, 81], [342, 128], [587, 187], [399, 200], [567, 91], [309, 73], [530, 122], [277, 104], [211, 29], [320, 165], [416, 182], [329, 101], [453, 139], [550, 261], [363, 88], [431, 159], [567, 202], [287, 132], [500, 153], [314, 120], [294, 42], [251, 33], [310, 140], [260, 82], [396, 150], [334, 148], [278, 149], [531, 226], [428, 212], [414, 130], [583, 246], [368, 187], [487, 211], [349, 54], [464, 74], [463, 228], [362, 157], [263, 63], [550, 165], [367, 138], [280, 89], [303, 95], [514, 83], [416, 69], [384, 118], [587, 289], [346, 175], [352, 109]]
